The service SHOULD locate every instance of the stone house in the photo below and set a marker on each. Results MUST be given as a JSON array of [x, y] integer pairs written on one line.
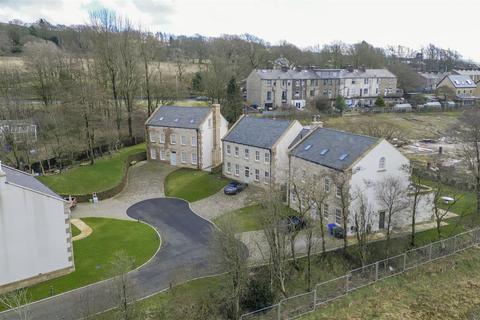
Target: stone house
[[188, 137], [332, 160], [463, 86], [35, 234], [255, 150]]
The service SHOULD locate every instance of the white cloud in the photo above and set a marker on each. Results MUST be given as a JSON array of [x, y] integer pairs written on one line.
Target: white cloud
[[411, 23]]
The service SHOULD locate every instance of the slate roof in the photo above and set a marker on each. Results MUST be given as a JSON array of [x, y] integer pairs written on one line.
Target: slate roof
[[26, 180], [179, 117], [338, 144], [461, 81], [276, 74], [257, 132]]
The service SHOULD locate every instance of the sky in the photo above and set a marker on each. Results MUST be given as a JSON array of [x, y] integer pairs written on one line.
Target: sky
[[412, 23]]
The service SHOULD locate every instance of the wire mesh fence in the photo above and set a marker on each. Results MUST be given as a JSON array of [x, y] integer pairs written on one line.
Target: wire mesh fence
[[295, 306]]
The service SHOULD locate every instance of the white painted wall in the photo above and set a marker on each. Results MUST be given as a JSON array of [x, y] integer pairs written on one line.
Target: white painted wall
[[33, 234], [206, 131]]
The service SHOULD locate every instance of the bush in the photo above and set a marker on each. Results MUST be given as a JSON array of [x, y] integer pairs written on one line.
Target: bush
[[258, 294]]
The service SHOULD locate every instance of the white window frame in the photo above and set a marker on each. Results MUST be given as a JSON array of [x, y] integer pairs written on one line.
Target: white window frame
[[182, 140], [228, 149], [246, 153], [153, 153], [326, 184], [152, 136], [173, 138], [194, 158], [325, 211], [236, 151], [266, 177], [162, 137], [338, 216], [194, 141], [162, 154], [257, 156], [267, 157], [183, 156], [246, 172], [229, 168], [257, 175], [338, 192], [237, 169]]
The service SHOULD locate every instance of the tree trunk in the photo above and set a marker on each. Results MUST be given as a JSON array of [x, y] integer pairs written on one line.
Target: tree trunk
[[414, 213]]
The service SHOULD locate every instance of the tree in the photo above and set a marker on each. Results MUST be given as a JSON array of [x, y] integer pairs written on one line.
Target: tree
[[342, 185], [391, 194], [233, 103], [417, 193], [231, 255], [362, 221], [445, 93], [17, 301], [380, 102], [276, 237], [148, 46], [442, 208], [469, 135], [197, 83], [340, 104], [122, 284], [322, 104]]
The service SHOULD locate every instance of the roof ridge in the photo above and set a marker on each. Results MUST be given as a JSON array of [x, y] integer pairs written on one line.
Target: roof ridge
[[350, 133], [18, 170]]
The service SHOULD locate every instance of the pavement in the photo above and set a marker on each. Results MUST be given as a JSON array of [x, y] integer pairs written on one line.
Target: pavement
[[185, 254], [84, 228]]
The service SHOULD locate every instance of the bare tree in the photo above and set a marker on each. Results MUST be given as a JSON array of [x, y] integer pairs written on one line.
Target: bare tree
[[469, 135], [148, 46], [416, 194], [17, 301], [441, 212], [123, 286], [277, 239], [391, 193], [342, 190], [362, 221], [232, 255]]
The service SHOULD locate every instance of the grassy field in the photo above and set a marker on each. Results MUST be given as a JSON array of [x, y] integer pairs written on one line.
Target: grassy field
[[94, 255], [447, 289], [106, 173], [193, 185], [244, 219], [412, 125]]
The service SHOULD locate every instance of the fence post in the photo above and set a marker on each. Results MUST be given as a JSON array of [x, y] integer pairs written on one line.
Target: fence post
[[279, 312], [404, 261], [315, 298], [376, 271], [455, 244], [430, 252], [346, 283]]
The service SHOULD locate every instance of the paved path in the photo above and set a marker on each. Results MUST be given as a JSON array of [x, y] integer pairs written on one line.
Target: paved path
[[186, 253], [145, 181], [84, 228], [219, 203]]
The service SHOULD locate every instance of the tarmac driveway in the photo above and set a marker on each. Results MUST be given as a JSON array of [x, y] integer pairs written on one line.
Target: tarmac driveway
[[186, 253]]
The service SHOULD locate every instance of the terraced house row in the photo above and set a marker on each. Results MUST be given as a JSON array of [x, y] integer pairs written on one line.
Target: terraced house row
[[284, 87]]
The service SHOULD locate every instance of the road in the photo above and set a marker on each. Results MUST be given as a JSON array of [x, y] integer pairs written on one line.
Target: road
[[186, 253]]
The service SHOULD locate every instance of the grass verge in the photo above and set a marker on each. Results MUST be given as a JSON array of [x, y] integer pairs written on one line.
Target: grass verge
[[193, 185]]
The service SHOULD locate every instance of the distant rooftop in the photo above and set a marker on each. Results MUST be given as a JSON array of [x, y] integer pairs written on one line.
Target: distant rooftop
[[315, 73], [461, 81], [332, 148], [257, 132], [179, 117]]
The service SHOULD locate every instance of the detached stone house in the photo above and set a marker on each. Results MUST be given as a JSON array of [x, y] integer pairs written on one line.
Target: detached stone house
[[35, 235], [187, 137], [362, 161], [255, 150]]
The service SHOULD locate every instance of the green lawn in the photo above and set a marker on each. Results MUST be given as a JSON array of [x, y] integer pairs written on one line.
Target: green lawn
[[94, 254], [193, 185], [75, 231], [106, 173], [244, 219]]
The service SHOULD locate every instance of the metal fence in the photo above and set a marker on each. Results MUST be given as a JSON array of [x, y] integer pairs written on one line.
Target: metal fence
[[296, 306]]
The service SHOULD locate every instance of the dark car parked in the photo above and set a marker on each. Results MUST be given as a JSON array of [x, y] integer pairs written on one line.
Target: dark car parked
[[234, 187], [293, 223]]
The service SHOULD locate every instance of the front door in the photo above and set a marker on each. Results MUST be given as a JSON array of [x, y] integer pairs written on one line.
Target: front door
[[173, 158], [381, 220]]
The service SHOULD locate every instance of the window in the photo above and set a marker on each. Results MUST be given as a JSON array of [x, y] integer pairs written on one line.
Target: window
[[297, 94], [365, 81], [365, 91], [152, 136], [162, 154], [338, 216], [338, 192], [312, 82], [229, 167], [183, 156], [284, 82], [353, 81], [267, 157], [173, 138], [325, 92], [162, 137], [312, 93], [183, 140], [194, 158], [269, 82], [237, 170], [247, 172], [257, 175], [284, 95], [236, 151], [194, 141], [327, 185], [269, 95], [381, 163], [325, 211], [266, 177], [229, 151], [297, 83], [257, 155], [153, 153], [246, 153]]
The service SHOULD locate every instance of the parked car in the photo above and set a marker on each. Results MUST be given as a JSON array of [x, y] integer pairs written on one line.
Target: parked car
[[293, 223], [234, 187]]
